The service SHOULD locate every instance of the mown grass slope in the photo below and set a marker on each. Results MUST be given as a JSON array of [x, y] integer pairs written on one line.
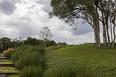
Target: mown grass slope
[[89, 52]]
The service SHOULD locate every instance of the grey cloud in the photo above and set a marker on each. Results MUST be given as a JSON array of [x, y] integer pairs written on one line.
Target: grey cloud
[[23, 28], [8, 6], [26, 31], [46, 8], [82, 29]]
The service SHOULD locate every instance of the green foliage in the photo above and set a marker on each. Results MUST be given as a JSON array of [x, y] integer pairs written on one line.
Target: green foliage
[[8, 54], [89, 51], [25, 49], [29, 59], [31, 41], [32, 71], [5, 42], [51, 43], [64, 43], [56, 66], [68, 70], [13, 76], [56, 47], [101, 61]]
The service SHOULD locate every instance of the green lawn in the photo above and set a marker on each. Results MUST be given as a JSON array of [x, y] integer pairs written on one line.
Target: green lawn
[[13, 76], [6, 62], [9, 68], [88, 51], [9, 71], [99, 61]]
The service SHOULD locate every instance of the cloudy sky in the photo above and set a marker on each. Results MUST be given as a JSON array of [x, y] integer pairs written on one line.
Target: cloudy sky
[[26, 18]]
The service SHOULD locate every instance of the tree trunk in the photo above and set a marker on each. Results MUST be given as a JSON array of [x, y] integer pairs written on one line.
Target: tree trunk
[[108, 37], [104, 36], [114, 37], [99, 42], [113, 32], [97, 32]]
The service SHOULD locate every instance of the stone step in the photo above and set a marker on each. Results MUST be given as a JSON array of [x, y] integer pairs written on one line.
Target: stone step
[[4, 60], [1, 54], [2, 75], [3, 69]]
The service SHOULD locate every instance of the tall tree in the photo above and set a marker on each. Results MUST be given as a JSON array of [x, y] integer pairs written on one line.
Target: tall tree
[[92, 11], [71, 10]]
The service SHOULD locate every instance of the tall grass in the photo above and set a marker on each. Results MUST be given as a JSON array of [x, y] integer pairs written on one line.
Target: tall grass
[[68, 70], [32, 71], [29, 59], [56, 66]]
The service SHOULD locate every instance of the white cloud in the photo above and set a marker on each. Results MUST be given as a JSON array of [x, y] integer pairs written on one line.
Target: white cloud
[[30, 16]]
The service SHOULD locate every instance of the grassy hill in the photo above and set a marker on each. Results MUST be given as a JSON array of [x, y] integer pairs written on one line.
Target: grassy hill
[[89, 52], [93, 61]]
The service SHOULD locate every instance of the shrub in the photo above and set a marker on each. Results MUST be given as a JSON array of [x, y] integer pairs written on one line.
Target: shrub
[[19, 51], [8, 54], [67, 70], [29, 59], [32, 71], [39, 49]]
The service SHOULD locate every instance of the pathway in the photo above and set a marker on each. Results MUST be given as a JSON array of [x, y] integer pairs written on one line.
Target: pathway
[[4, 66]]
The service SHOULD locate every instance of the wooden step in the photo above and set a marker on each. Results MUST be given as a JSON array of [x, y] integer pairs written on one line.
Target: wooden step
[[7, 65], [4, 58], [7, 74]]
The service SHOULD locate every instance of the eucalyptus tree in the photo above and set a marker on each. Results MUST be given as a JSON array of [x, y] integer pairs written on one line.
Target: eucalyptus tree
[[107, 17], [71, 10], [93, 12], [113, 18]]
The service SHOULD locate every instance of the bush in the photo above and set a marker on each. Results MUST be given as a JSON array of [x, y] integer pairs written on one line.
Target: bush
[[69, 71], [29, 59], [8, 54], [39, 49], [23, 50], [56, 66], [32, 71]]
